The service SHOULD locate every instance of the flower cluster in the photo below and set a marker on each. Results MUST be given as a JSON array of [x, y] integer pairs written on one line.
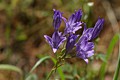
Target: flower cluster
[[84, 46]]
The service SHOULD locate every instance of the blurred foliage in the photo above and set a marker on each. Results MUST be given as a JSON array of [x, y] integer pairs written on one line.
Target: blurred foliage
[[108, 55], [32, 77]]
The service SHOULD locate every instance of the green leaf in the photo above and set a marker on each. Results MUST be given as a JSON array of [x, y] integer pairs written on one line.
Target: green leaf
[[39, 62], [32, 77], [117, 71], [10, 67], [109, 51], [60, 70]]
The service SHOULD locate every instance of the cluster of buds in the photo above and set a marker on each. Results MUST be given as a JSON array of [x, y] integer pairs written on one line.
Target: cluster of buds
[[84, 45]]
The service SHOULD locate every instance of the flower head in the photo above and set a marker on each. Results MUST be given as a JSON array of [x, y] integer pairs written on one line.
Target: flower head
[[57, 19], [87, 33], [84, 46], [71, 40], [84, 49], [97, 28], [56, 40], [92, 33], [73, 24]]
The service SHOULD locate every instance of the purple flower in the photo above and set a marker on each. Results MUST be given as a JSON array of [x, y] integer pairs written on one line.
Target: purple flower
[[92, 33], [97, 28], [71, 40], [87, 33], [84, 49], [84, 46], [56, 40], [57, 19], [73, 24]]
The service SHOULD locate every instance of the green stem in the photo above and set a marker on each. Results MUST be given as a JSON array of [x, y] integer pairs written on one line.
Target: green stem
[[117, 69], [53, 69], [56, 66], [109, 52], [50, 73]]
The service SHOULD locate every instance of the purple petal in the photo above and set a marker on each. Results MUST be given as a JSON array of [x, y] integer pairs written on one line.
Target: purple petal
[[71, 19], [78, 15], [77, 26], [49, 40], [90, 53], [57, 19], [75, 17], [88, 33], [84, 48], [73, 24], [62, 40], [64, 19], [82, 38], [70, 42], [89, 46], [85, 28], [58, 39], [98, 27]]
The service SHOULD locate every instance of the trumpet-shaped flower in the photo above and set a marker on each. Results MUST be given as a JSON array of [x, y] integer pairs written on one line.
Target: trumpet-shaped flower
[[56, 40], [84, 49], [71, 40], [57, 19], [97, 28], [73, 24], [92, 33]]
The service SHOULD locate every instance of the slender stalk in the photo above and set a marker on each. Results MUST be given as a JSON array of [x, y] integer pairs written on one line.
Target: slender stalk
[[58, 64], [51, 72], [53, 69]]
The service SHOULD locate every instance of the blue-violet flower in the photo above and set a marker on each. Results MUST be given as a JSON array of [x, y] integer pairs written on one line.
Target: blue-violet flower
[[73, 24], [92, 33], [84, 49], [57, 19], [84, 46], [56, 40], [71, 40]]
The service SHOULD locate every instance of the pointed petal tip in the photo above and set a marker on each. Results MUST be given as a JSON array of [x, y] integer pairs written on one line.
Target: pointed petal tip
[[54, 50], [101, 19], [86, 60], [44, 36], [54, 10]]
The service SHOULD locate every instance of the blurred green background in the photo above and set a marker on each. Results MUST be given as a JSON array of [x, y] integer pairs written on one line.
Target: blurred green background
[[24, 22]]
